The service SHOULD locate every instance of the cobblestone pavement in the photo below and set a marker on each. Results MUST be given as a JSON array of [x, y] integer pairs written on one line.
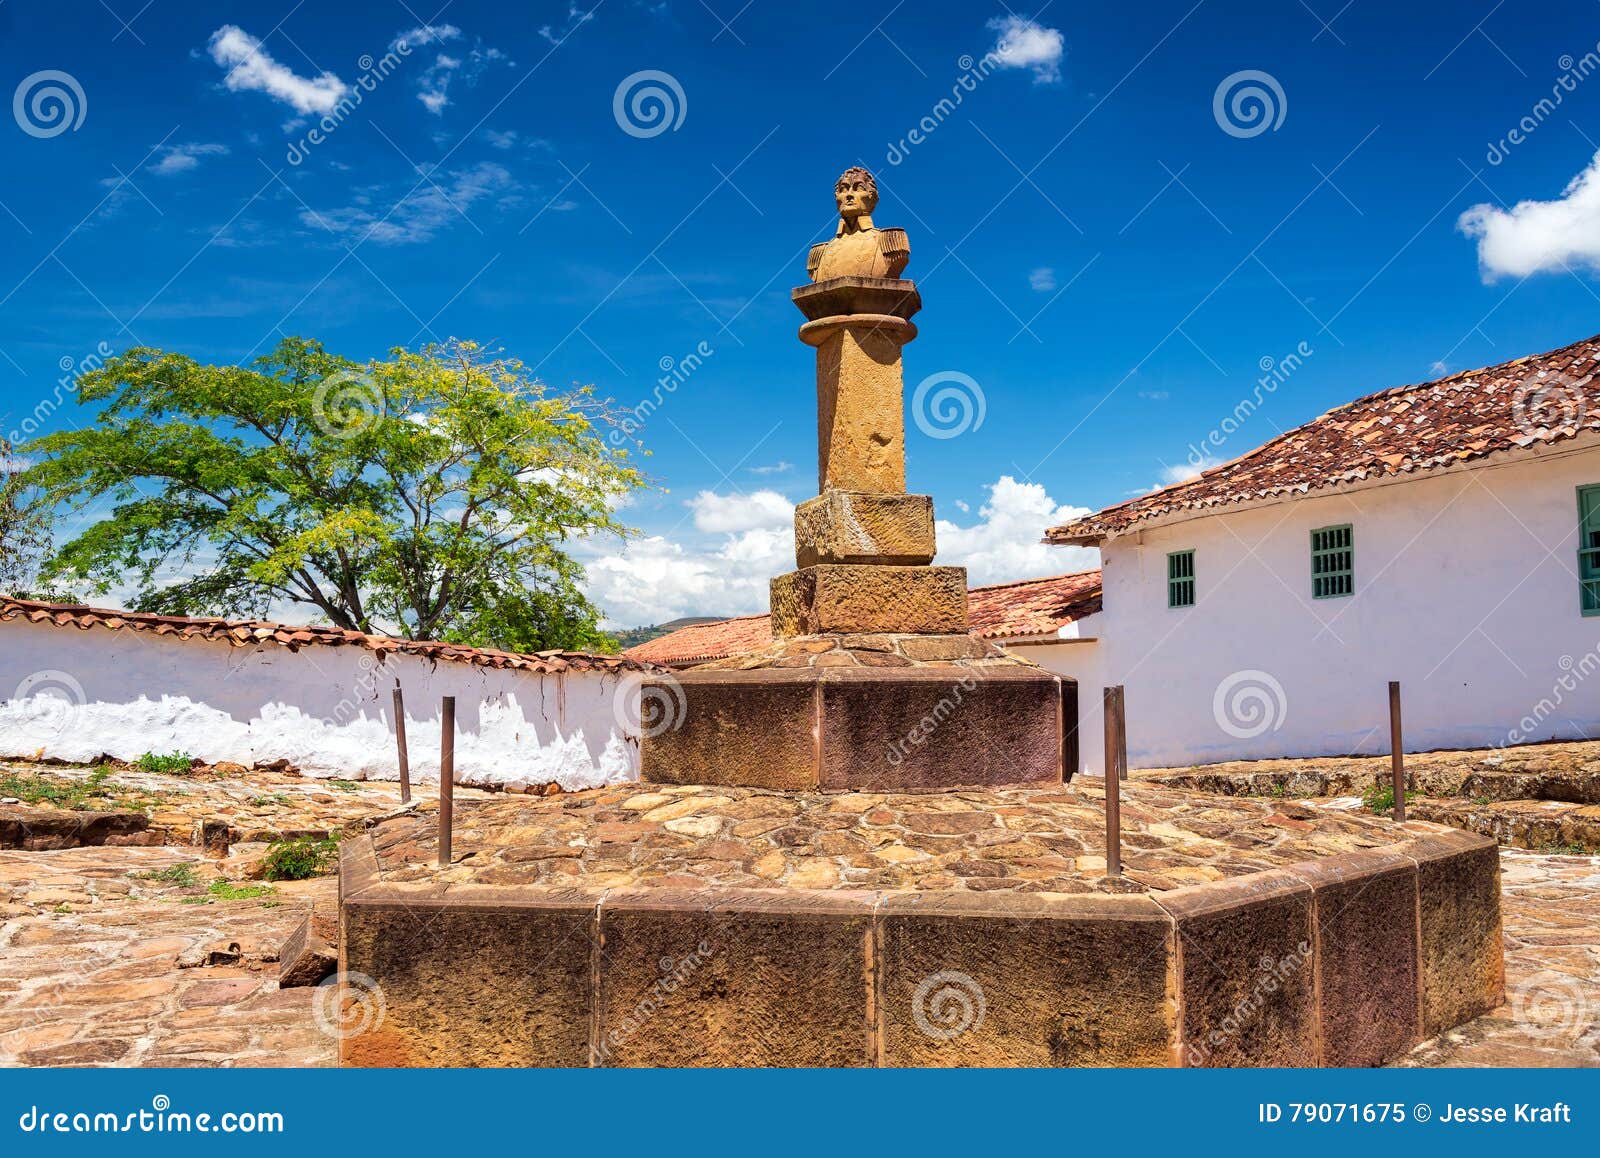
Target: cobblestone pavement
[[103, 964], [1022, 839]]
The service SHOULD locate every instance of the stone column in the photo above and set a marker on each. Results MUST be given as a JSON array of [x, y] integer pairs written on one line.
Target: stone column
[[863, 545]]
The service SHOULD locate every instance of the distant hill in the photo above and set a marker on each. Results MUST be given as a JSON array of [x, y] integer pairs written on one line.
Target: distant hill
[[634, 636]]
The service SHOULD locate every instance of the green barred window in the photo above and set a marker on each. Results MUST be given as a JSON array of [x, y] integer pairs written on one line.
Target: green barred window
[[1333, 562], [1180, 579], [1589, 549]]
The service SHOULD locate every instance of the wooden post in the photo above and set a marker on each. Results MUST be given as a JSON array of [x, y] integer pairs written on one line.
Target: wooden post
[[400, 744], [1397, 753], [1116, 761], [447, 777]]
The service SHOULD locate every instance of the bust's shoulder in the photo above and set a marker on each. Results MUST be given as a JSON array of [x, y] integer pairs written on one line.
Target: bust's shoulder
[[814, 258], [893, 241]]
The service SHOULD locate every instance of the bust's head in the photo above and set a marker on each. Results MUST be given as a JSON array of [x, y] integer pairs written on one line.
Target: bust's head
[[856, 194]]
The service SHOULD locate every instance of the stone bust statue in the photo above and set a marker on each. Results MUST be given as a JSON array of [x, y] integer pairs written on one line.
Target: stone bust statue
[[860, 248]]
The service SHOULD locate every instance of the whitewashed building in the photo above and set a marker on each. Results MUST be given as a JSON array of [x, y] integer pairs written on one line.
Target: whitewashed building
[[1445, 535], [81, 682]]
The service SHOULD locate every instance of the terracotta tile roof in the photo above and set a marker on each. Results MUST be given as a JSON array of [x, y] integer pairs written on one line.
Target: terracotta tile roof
[[1032, 606], [703, 642], [1001, 611], [1531, 402], [249, 633]]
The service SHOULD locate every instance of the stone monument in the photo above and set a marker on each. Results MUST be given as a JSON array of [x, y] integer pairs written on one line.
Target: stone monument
[[872, 680]]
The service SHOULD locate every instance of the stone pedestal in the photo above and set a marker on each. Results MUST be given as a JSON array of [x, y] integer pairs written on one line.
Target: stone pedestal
[[861, 712], [872, 680]]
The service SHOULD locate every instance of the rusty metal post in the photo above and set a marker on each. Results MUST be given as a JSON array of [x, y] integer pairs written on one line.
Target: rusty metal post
[[1397, 753], [1116, 760], [400, 744], [447, 777]]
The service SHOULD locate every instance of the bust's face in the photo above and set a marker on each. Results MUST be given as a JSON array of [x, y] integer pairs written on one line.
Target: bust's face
[[854, 197]]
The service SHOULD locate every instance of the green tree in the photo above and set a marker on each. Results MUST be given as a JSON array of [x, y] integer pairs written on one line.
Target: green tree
[[24, 529], [433, 495]]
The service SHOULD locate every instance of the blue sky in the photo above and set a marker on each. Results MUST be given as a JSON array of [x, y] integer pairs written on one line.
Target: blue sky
[[1110, 251]]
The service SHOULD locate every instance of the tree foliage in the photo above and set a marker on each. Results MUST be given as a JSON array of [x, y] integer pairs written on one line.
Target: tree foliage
[[434, 495], [24, 529]]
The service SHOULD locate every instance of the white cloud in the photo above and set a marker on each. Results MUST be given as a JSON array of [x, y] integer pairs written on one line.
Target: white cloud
[[421, 213], [433, 86], [576, 17], [1539, 236], [500, 140], [652, 580], [1005, 544], [779, 467], [734, 514], [1042, 280], [251, 69], [435, 83], [1025, 44], [426, 34], [181, 158]]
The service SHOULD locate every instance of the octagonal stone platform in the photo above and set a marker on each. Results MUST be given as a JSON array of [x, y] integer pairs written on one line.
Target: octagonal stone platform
[[693, 925]]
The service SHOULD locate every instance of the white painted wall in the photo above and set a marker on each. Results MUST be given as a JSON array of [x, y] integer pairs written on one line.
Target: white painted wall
[[75, 694], [1466, 592]]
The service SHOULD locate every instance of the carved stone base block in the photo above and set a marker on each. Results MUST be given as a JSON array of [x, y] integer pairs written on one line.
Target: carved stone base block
[[933, 726], [852, 527], [847, 597]]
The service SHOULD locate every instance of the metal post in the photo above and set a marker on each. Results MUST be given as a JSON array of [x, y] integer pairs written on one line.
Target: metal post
[[400, 744], [1116, 759], [447, 777], [1397, 753]]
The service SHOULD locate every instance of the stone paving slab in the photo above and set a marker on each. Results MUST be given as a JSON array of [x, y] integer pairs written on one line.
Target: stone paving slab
[[102, 965], [1003, 839]]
